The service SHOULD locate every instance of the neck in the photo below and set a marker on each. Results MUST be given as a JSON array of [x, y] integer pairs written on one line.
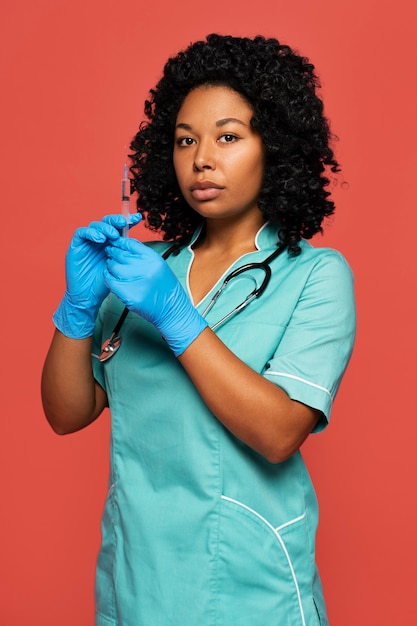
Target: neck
[[231, 235]]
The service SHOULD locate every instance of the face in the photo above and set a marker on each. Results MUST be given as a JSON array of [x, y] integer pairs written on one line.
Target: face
[[218, 157]]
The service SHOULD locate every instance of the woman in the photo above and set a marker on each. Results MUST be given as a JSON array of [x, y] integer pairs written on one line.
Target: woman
[[211, 516]]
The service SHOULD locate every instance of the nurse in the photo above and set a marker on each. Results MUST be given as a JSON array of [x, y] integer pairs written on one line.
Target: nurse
[[211, 516]]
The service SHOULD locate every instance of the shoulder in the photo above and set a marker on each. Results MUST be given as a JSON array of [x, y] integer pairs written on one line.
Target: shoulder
[[322, 275], [324, 259]]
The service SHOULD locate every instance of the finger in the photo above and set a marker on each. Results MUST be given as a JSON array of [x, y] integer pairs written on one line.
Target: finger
[[134, 219], [101, 231], [123, 265], [114, 277], [119, 255], [135, 247], [111, 271], [88, 233], [109, 279], [119, 221]]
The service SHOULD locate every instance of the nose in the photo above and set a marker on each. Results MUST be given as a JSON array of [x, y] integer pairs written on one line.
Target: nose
[[204, 157]]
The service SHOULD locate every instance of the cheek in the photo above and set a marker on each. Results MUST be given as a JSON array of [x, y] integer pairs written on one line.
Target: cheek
[[250, 165], [184, 185], [259, 167], [254, 172]]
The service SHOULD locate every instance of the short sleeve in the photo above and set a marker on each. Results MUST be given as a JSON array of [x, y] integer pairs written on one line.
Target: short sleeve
[[317, 344]]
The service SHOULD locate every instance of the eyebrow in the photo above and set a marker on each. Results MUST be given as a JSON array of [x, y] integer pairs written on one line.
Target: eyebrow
[[219, 123]]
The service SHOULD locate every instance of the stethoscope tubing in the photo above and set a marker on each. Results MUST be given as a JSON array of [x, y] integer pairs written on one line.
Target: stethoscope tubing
[[112, 344]]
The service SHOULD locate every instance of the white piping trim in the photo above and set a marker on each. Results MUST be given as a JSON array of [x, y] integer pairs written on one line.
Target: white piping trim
[[258, 235], [293, 521], [216, 285], [188, 275], [223, 276], [277, 535], [302, 380]]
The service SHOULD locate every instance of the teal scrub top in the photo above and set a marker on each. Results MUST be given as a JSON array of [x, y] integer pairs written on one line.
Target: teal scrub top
[[198, 528]]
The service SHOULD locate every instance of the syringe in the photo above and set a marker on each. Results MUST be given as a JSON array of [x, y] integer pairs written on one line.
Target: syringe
[[126, 199]]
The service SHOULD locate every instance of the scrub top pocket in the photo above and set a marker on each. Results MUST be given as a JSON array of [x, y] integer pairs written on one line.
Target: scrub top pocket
[[264, 577]]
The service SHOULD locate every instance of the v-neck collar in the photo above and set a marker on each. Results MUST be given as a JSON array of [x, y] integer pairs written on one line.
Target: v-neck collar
[[266, 238]]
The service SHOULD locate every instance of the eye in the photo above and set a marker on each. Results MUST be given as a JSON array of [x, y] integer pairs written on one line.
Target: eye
[[185, 141], [228, 138]]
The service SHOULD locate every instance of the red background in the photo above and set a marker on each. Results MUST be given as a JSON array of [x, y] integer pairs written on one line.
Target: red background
[[75, 74]]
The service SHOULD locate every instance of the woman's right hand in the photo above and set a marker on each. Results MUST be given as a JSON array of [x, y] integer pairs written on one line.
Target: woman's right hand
[[85, 286]]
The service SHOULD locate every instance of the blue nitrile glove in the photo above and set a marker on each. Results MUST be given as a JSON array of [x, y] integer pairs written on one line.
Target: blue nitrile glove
[[144, 282], [85, 262]]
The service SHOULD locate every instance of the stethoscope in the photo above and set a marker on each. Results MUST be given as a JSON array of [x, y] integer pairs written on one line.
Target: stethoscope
[[113, 343]]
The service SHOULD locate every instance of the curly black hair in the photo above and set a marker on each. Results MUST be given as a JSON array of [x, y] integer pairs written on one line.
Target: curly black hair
[[281, 87]]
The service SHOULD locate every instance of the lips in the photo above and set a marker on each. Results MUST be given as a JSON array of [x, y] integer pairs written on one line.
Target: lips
[[205, 190]]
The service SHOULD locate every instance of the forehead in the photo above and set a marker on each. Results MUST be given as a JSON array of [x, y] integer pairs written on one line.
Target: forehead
[[214, 102]]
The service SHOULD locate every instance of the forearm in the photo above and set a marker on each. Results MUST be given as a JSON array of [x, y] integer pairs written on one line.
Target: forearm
[[71, 397], [254, 409], [257, 411]]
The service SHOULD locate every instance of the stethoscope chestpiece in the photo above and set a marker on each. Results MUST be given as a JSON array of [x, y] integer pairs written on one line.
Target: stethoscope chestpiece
[[109, 348]]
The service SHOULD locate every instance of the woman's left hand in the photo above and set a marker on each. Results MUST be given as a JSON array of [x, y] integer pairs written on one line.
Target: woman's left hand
[[144, 282]]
